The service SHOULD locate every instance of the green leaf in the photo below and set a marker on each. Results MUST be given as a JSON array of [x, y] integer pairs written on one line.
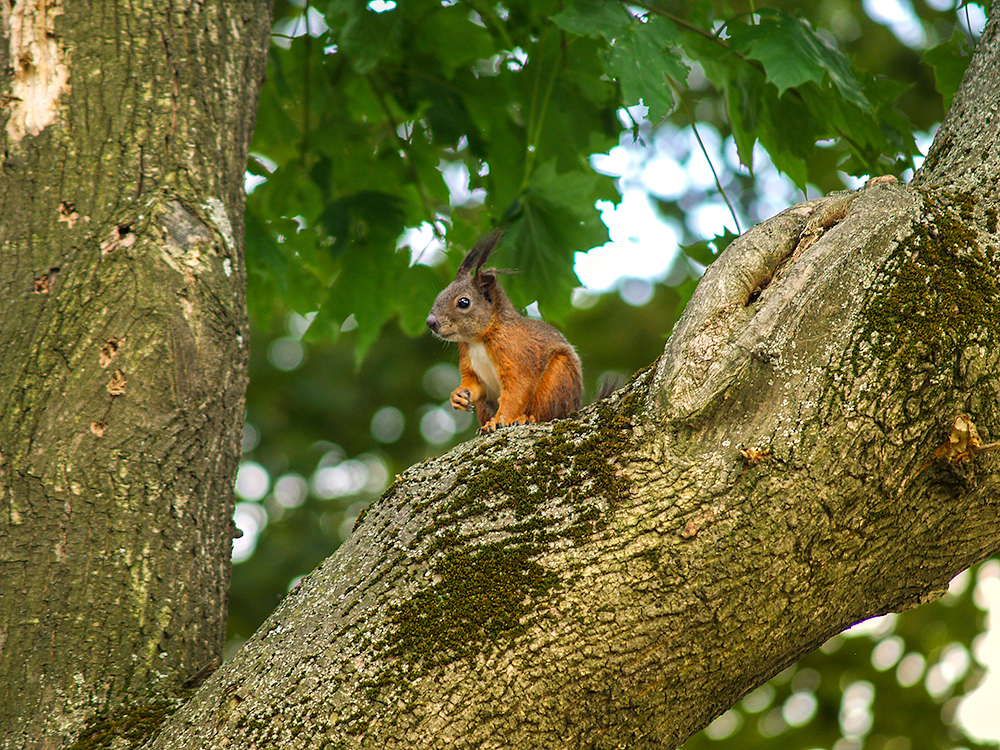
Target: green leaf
[[706, 251], [594, 18], [280, 255], [949, 60], [445, 110], [792, 54], [419, 286], [581, 115], [263, 254], [365, 218], [640, 59], [365, 37], [895, 127], [447, 36], [553, 219], [789, 133], [368, 287], [489, 100], [267, 269], [288, 192], [745, 91]]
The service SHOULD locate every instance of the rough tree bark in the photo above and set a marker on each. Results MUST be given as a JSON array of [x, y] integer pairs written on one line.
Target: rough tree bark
[[619, 579], [125, 136]]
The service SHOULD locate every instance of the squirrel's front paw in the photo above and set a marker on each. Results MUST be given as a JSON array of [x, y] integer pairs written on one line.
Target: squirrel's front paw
[[461, 398]]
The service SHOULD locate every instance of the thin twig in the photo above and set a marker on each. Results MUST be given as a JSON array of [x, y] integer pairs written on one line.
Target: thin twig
[[306, 86], [535, 130], [701, 144]]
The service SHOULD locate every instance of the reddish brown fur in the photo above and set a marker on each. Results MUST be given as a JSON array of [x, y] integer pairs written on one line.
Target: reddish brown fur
[[538, 372]]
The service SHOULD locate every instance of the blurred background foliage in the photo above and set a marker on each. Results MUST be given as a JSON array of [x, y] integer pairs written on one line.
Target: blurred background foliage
[[392, 134]]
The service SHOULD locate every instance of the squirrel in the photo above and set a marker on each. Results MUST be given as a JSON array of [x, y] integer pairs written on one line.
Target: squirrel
[[515, 370]]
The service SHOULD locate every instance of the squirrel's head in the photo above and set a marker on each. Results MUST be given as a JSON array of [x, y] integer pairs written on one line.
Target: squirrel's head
[[466, 306]]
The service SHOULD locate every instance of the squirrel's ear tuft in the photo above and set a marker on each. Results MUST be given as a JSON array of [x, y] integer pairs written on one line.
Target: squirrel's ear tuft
[[476, 258]]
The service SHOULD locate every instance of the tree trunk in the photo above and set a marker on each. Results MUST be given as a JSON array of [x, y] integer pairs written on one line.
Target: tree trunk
[[619, 579], [125, 139]]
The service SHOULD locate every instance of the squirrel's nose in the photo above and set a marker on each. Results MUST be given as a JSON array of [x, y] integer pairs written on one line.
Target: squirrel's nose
[[432, 322]]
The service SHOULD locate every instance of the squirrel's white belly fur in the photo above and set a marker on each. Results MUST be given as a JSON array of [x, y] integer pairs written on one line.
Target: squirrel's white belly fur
[[485, 370]]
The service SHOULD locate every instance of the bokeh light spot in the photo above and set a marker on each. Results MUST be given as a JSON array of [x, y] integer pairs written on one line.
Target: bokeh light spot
[[252, 481]]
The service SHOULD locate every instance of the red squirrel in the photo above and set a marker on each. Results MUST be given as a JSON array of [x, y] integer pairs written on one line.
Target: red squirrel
[[515, 370]]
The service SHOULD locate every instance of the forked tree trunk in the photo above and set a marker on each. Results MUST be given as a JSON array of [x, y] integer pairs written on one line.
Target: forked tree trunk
[[122, 377], [618, 580]]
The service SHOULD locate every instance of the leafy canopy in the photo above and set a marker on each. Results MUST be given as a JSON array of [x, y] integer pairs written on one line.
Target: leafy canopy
[[369, 105]]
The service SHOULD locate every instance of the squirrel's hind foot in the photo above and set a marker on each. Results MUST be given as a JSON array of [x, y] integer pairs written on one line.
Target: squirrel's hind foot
[[499, 422]]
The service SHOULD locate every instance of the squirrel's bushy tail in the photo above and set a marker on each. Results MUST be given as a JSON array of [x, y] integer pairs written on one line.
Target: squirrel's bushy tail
[[608, 383]]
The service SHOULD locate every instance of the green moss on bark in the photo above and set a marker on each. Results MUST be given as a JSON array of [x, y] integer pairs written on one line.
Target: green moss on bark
[[482, 595], [484, 588], [130, 727], [943, 292]]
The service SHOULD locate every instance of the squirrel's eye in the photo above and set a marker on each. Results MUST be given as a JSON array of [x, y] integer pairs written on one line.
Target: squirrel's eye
[[463, 303]]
